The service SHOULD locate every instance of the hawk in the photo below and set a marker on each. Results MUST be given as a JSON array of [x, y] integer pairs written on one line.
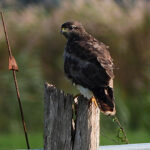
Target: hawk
[[88, 64]]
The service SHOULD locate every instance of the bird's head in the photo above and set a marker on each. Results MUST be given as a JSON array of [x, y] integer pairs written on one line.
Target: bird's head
[[72, 29]]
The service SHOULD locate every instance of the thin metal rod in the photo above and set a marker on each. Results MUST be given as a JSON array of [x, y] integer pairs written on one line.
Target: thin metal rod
[[21, 110], [6, 35], [16, 84]]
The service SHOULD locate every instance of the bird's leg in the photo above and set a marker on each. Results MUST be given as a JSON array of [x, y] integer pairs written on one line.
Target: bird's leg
[[93, 100]]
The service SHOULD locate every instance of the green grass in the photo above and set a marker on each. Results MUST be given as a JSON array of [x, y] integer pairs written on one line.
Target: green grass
[[17, 141], [138, 136]]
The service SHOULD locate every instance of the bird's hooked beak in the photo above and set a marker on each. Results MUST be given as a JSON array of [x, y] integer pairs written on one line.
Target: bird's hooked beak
[[64, 30]]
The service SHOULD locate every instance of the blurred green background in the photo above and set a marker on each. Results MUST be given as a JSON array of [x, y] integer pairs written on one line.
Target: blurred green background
[[34, 33]]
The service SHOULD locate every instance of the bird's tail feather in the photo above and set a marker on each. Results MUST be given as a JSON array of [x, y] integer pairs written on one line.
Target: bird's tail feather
[[105, 100]]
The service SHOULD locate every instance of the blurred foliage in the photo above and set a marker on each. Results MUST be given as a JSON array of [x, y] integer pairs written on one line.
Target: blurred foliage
[[17, 141], [34, 34]]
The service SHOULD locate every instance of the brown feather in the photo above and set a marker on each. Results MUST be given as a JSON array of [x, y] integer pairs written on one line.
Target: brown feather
[[88, 63]]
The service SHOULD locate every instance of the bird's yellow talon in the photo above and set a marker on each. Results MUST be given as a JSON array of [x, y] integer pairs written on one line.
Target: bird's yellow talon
[[94, 101]]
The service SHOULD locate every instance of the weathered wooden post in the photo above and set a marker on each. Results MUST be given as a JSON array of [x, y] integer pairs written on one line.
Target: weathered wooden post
[[60, 131]]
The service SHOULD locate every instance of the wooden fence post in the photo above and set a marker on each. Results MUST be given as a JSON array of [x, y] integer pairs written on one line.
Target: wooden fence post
[[60, 131]]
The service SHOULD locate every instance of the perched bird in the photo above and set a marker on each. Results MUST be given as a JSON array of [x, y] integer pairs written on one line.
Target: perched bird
[[88, 64]]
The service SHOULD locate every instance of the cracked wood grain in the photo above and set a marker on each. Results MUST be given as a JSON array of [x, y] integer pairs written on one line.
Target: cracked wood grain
[[59, 132]]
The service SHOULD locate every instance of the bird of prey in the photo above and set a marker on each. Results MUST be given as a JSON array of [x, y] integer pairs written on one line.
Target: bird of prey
[[88, 64]]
